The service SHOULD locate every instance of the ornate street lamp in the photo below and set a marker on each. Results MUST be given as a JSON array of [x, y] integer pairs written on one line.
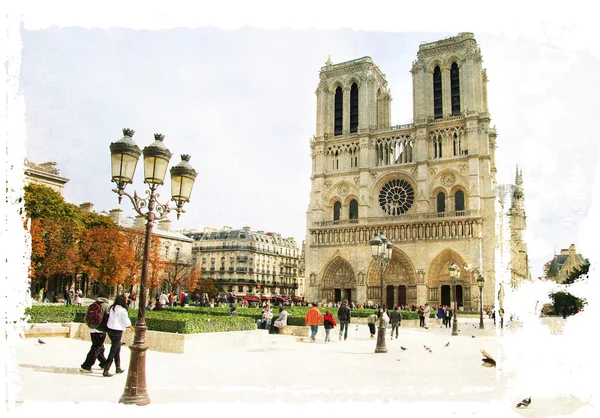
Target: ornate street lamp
[[124, 157], [381, 250], [480, 283], [454, 275]]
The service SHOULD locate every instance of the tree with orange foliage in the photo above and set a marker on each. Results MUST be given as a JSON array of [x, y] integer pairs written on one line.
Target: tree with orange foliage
[[180, 274], [106, 255], [136, 238]]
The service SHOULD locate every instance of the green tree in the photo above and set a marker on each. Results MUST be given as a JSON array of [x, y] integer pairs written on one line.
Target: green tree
[[579, 273]]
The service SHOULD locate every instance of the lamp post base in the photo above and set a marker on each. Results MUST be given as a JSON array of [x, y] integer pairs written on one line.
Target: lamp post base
[[381, 348], [135, 388], [454, 325]]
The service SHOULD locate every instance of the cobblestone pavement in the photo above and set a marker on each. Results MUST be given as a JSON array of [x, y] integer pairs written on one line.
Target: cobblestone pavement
[[289, 370]]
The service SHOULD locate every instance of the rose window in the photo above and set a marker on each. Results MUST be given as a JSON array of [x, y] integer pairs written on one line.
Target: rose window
[[396, 197]]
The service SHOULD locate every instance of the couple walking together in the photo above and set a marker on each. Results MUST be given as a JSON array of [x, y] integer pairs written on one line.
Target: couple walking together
[[115, 320], [313, 319]]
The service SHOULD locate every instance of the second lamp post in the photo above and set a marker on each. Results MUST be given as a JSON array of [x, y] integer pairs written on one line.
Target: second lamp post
[[381, 249], [454, 272], [480, 282]]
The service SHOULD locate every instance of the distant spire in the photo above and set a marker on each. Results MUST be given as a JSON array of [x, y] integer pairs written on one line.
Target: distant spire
[[519, 177], [328, 62]]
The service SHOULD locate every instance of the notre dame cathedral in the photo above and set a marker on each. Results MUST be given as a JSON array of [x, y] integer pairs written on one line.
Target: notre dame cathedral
[[429, 186]]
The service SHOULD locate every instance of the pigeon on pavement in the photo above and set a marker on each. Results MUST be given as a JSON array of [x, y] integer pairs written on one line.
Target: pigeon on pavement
[[472, 336], [41, 341], [524, 403], [488, 361], [426, 348], [447, 344], [403, 348]]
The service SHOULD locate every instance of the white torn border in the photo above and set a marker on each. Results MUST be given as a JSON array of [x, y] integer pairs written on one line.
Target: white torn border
[[534, 351]]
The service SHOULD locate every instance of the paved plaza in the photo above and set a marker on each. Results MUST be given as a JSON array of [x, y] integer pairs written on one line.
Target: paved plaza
[[286, 372]]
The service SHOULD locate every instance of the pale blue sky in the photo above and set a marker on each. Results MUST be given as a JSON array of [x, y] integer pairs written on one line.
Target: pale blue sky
[[242, 103]]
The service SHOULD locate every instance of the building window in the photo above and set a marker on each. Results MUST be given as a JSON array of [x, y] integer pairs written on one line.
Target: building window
[[339, 108], [240, 288], [354, 108], [456, 144], [396, 197], [337, 210], [441, 202], [459, 200], [353, 213], [437, 93], [455, 89]]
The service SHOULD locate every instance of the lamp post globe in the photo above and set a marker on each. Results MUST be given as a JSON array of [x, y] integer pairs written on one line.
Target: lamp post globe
[[480, 283], [156, 161], [124, 155]]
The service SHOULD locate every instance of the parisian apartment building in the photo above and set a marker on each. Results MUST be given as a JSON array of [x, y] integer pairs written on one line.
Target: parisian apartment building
[[253, 265]]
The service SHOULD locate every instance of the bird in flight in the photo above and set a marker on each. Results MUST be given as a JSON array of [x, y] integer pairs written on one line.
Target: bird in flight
[[403, 348], [488, 361], [524, 403], [447, 344], [41, 341]]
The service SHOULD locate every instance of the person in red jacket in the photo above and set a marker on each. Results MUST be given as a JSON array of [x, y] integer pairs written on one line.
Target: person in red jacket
[[328, 324]]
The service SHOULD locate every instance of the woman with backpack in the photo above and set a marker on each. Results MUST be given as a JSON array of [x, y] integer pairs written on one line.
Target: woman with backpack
[[118, 321]]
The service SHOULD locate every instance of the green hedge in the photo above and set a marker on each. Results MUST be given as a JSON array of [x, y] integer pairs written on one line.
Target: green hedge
[[176, 322]]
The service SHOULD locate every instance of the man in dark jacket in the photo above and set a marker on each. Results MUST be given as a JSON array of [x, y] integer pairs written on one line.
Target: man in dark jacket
[[97, 337], [395, 318], [344, 315]]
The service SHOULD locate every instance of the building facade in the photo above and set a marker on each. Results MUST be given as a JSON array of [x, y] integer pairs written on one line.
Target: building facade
[[45, 174], [429, 186], [253, 265], [563, 264]]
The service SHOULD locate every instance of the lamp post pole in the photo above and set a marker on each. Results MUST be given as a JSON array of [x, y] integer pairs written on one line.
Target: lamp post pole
[[454, 274], [480, 282], [124, 156], [381, 250]]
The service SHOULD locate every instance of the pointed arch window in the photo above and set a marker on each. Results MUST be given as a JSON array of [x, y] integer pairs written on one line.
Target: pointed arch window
[[338, 112], [456, 145], [459, 200], [441, 202], [353, 212], [455, 89], [337, 210], [437, 92], [354, 108]]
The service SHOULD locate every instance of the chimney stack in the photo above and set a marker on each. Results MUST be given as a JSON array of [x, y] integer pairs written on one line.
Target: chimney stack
[[165, 224], [115, 215], [87, 206]]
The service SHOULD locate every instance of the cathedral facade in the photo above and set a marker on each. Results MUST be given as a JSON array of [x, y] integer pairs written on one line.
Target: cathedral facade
[[429, 186]]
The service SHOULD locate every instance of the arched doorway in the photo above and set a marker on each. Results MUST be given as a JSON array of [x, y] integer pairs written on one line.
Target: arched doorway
[[399, 281], [446, 295], [389, 296], [339, 281], [402, 295], [438, 279]]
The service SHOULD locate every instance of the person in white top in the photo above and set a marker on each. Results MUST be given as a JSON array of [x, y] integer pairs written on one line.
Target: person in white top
[[118, 321], [163, 299]]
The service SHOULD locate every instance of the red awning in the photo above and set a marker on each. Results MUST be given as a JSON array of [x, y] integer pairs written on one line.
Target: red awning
[[280, 298], [297, 298], [267, 297], [252, 298]]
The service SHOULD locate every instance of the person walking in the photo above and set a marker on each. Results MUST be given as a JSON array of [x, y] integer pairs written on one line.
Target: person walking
[[421, 317], [447, 316], [371, 323], [313, 318], [501, 317], [97, 335], [78, 295], [328, 324], [118, 321], [426, 311], [395, 318], [41, 295], [440, 315], [344, 315]]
